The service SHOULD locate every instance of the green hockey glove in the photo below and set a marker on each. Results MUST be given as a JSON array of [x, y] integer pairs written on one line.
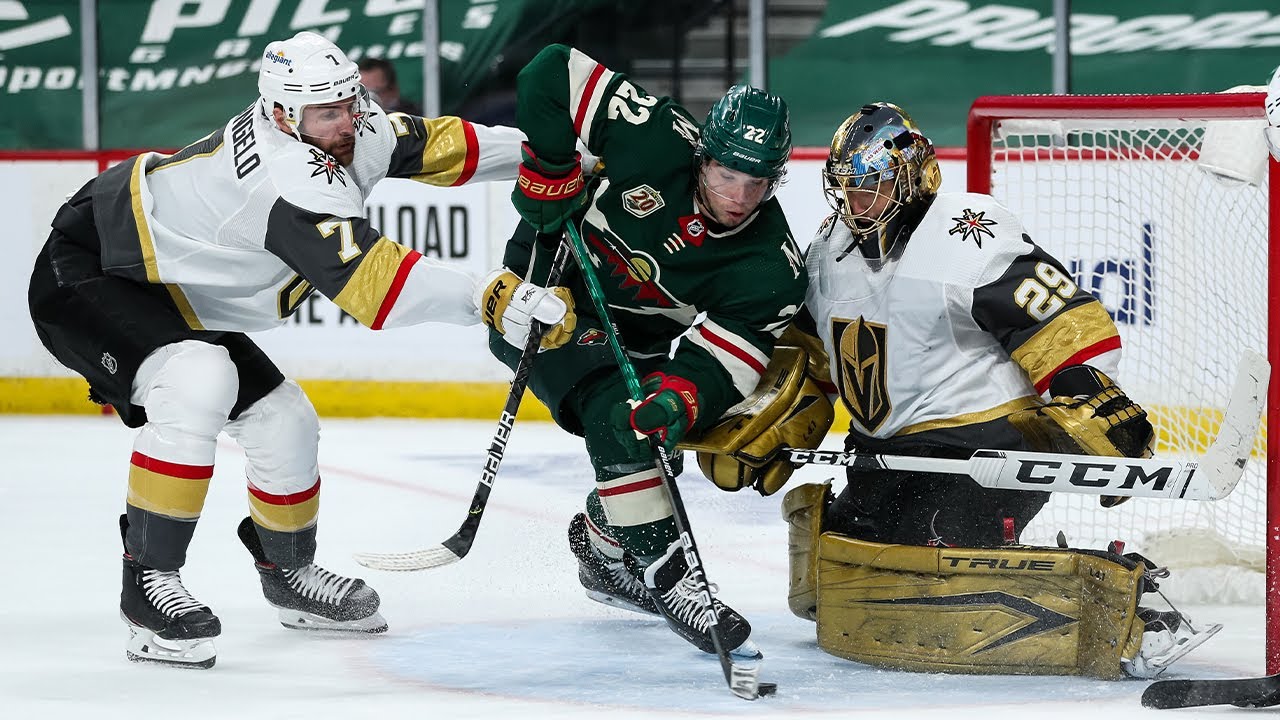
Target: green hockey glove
[[546, 193], [668, 410]]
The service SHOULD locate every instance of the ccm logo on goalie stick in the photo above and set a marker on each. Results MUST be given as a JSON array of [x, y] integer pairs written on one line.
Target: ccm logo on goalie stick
[[496, 449], [1092, 475]]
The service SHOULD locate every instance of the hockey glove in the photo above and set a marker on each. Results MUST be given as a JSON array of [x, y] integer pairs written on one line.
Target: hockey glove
[[1088, 415], [547, 193], [668, 410], [508, 305]]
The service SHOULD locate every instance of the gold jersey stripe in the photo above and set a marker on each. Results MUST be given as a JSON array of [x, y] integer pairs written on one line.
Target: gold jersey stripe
[[1065, 335], [367, 287], [148, 248], [444, 152], [140, 219], [174, 497], [285, 518], [972, 418]]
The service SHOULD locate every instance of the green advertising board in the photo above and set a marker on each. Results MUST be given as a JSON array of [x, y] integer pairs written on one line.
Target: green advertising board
[[172, 70], [933, 57]]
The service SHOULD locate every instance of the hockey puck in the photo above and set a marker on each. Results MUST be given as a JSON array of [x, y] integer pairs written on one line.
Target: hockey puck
[[766, 689]]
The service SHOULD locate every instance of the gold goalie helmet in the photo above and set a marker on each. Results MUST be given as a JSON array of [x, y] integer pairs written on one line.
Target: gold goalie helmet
[[879, 165]]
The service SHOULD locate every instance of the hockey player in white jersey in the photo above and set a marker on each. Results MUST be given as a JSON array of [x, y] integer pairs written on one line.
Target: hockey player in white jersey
[[156, 268], [939, 324]]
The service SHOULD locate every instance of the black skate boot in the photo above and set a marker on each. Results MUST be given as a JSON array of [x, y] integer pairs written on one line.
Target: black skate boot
[[606, 580], [166, 624], [669, 582], [312, 598]]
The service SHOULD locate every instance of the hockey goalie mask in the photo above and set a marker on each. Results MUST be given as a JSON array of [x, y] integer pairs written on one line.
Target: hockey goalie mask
[[743, 152], [879, 164], [318, 90]]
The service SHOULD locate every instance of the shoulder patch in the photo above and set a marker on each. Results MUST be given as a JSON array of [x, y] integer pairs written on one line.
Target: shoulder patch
[[973, 226], [313, 180], [642, 201], [327, 167]]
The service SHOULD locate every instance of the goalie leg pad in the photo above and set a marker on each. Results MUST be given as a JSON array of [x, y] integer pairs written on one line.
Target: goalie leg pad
[[803, 508], [980, 611]]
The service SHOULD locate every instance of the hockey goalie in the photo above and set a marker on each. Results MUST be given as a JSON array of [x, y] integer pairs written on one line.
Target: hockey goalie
[[943, 328]]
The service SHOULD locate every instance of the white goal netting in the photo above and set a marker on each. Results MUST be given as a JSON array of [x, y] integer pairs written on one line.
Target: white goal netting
[[1178, 253]]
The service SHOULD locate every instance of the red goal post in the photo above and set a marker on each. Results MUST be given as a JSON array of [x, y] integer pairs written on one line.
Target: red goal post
[[1168, 207]]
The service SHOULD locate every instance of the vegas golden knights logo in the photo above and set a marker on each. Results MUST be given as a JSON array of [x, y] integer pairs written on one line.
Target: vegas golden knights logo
[[861, 370]]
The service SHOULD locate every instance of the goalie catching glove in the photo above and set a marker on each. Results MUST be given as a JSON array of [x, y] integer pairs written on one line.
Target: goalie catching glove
[[786, 410], [1089, 415], [509, 305]]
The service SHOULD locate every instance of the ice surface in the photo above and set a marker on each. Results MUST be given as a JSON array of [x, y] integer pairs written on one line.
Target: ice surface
[[506, 632]]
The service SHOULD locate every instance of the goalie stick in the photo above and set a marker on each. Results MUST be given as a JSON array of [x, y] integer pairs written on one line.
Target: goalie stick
[[456, 547], [1246, 693], [743, 679], [1210, 477]]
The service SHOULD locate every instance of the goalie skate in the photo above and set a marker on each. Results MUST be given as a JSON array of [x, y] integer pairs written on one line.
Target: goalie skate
[[670, 583], [606, 580], [1166, 638], [312, 598]]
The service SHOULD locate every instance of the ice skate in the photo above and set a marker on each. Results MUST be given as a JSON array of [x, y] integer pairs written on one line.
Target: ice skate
[[312, 598], [166, 624], [1166, 638], [670, 584], [605, 579]]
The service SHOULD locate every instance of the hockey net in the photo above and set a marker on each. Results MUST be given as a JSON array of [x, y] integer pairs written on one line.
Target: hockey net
[[1162, 207]]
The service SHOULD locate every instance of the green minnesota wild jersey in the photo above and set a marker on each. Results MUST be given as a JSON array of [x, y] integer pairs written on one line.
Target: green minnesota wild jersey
[[667, 270]]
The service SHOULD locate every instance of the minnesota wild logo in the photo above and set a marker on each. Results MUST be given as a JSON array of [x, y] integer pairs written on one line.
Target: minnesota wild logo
[[593, 336], [633, 270]]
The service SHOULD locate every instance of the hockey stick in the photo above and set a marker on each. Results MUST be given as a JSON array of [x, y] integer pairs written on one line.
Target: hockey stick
[[743, 680], [1246, 693], [456, 547], [1211, 477]]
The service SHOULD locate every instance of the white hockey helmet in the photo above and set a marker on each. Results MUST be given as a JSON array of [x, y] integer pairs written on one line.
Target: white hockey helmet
[[307, 70]]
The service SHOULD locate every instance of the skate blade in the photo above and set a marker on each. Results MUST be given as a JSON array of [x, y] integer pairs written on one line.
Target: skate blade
[[300, 620], [612, 601], [146, 646], [1184, 646]]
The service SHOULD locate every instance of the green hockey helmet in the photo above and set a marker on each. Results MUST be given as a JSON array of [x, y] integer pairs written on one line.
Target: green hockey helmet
[[748, 130]]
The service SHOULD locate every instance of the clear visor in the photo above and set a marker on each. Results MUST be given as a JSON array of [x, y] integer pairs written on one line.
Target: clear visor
[[331, 120], [735, 186]]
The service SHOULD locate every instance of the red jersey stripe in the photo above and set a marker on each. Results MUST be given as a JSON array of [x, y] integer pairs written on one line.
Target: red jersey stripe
[[172, 469], [1079, 358], [585, 101], [732, 349], [473, 155], [393, 292], [636, 486]]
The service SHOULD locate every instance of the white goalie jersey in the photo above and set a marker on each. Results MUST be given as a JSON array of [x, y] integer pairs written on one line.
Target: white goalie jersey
[[242, 225], [967, 325]]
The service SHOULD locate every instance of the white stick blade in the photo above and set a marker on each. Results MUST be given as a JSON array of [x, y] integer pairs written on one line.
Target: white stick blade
[[744, 680], [1224, 462], [408, 561]]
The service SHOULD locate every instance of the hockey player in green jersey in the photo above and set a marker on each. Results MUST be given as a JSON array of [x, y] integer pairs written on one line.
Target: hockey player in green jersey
[[702, 274]]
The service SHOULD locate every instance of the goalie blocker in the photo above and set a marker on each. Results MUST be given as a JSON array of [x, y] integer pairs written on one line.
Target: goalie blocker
[[1009, 610]]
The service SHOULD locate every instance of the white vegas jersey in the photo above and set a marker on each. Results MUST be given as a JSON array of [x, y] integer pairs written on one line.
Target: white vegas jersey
[[965, 326], [241, 226]]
